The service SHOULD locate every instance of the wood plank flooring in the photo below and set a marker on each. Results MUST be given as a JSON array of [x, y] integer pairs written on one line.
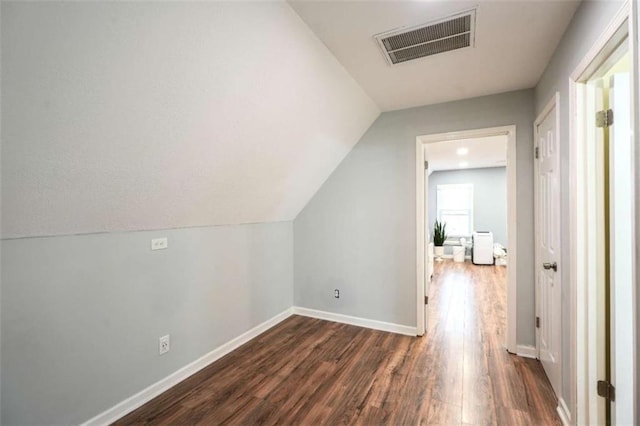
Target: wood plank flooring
[[307, 371]]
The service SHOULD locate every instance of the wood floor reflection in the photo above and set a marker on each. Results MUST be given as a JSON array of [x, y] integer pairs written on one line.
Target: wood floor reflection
[[307, 371]]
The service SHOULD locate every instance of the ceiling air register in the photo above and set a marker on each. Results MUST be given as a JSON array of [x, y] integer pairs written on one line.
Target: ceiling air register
[[444, 35]]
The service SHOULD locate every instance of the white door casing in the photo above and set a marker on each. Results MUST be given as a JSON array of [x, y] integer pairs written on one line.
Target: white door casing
[[429, 248], [421, 240], [598, 275], [512, 245], [622, 255], [547, 264], [585, 239]]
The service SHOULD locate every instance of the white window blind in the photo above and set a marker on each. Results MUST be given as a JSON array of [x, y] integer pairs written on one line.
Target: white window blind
[[455, 208]]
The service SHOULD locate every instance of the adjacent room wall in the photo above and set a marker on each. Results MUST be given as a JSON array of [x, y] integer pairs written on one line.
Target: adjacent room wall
[[81, 315], [489, 198], [358, 232], [590, 20]]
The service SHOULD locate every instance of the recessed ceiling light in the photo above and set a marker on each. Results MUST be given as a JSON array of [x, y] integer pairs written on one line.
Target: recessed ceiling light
[[462, 151], [463, 164]]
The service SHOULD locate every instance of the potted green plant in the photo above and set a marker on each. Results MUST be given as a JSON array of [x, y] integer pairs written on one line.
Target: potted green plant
[[439, 237]]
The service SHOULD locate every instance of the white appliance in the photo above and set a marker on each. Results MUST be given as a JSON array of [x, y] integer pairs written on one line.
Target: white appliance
[[482, 248]]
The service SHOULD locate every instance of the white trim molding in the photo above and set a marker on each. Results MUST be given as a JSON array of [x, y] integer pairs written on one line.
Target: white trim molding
[[634, 49], [128, 405], [421, 239], [526, 351], [512, 246], [357, 321], [563, 412]]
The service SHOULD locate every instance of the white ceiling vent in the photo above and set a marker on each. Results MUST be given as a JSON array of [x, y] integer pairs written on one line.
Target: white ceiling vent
[[443, 35]]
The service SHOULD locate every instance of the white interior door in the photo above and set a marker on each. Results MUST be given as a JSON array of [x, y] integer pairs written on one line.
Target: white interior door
[[548, 285], [622, 244]]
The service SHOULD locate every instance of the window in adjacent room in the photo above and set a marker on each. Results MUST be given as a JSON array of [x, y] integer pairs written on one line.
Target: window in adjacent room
[[455, 208]]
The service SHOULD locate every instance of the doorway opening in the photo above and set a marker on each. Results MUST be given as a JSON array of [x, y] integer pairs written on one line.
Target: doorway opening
[[603, 213], [460, 216]]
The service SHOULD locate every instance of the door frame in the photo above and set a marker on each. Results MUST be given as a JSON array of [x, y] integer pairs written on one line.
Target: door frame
[[554, 102], [421, 200], [583, 374]]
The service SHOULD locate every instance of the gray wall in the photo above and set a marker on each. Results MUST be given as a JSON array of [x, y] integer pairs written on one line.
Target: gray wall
[[358, 233], [588, 23], [489, 198], [117, 117], [81, 315]]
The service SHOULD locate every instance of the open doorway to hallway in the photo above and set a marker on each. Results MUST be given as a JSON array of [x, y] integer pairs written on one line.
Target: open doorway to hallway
[[467, 185], [458, 208]]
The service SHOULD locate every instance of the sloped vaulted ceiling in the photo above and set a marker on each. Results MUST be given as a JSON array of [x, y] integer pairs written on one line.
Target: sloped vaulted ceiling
[[129, 116]]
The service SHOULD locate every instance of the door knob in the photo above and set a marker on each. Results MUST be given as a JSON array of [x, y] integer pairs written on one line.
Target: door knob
[[547, 265]]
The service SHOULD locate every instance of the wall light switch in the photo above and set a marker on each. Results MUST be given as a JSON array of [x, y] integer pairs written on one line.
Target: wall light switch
[[159, 243]]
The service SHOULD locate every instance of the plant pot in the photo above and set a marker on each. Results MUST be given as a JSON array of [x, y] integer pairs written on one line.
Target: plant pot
[[439, 252]]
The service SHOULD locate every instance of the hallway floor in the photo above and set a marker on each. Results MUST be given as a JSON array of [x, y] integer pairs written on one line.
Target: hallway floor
[[309, 371], [481, 383]]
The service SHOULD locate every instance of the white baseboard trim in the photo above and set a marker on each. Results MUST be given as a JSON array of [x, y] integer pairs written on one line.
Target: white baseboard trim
[[526, 351], [128, 405], [357, 321], [563, 412]]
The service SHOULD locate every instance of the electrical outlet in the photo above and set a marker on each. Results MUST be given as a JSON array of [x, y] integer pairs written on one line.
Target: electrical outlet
[[165, 344], [159, 243], [336, 293]]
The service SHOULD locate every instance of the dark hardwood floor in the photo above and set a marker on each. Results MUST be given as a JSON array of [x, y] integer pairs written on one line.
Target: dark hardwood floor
[[307, 371]]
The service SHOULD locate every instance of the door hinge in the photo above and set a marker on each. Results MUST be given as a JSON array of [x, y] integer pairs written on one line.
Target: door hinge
[[426, 165], [537, 322], [537, 153], [606, 390], [604, 118], [426, 300]]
